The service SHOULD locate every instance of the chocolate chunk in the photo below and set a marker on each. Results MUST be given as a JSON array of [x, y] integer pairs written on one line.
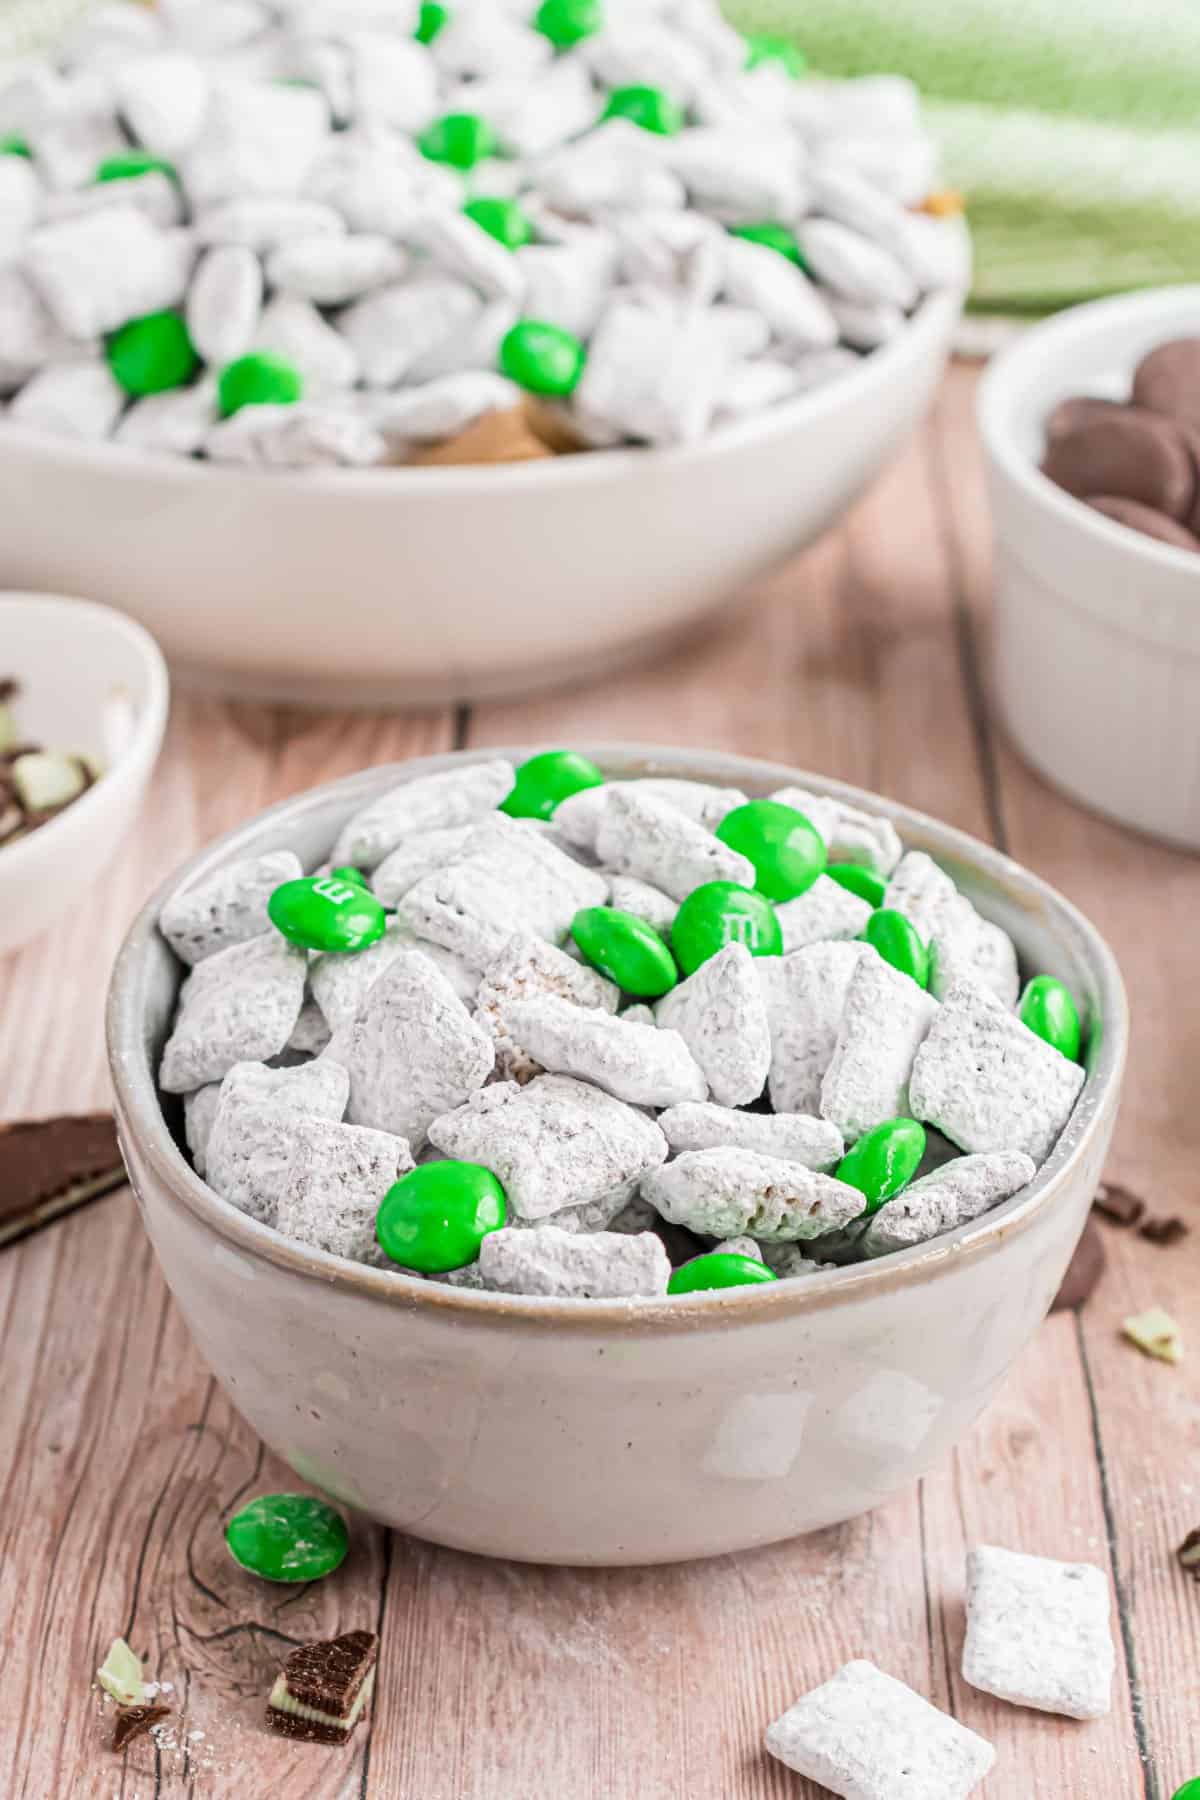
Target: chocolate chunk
[[1188, 1554], [134, 1722], [1077, 410], [49, 1166], [1083, 1271], [1163, 1231], [1118, 1204], [1144, 519], [322, 1689], [1135, 454], [1167, 380]]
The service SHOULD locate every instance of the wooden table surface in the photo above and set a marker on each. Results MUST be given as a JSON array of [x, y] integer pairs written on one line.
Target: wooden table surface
[[864, 659]]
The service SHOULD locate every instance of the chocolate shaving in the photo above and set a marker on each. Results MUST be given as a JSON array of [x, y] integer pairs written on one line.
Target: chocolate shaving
[[1163, 1231], [1188, 1555], [134, 1722], [50, 1166], [9, 688], [1120, 1205]]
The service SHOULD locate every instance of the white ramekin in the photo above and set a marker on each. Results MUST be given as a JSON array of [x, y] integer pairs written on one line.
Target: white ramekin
[[1097, 629]]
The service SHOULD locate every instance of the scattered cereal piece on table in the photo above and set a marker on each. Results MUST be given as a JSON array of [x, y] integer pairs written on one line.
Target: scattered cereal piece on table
[[1038, 1633]]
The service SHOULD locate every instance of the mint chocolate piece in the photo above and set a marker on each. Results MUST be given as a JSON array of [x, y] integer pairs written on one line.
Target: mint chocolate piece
[[322, 1689], [49, 1166], [133, 1722]]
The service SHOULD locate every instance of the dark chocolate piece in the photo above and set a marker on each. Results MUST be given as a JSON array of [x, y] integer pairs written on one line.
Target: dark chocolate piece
[[1119, 1204], [1083, 1271], [134, 1722], [1077, 410], [1167, 380], [1136, 517], [1188, 1554], [1164, 1231], [49, 1166], [327, 1680], [1131, 453]]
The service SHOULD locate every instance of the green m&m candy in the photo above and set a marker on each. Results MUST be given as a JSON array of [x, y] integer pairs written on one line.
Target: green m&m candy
[[288, 1537], [150, 355], [720, 913], [258, 379], [11, 144], [435, 1218], [764, 49], [1048, 1008], [433, 18], [568, 22], [626, 949], [460, 139], [773, 237], [883, 1161], [722, 1269], [544, 781], [1189, 1791], [345, 873], [899, 943], [132, 163], [502, 219], [648, 107], [858, 879], [788, 852], [543, 358], [321, 912]]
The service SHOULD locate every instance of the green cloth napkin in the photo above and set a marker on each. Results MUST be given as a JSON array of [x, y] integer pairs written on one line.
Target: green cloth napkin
[[1072, 127]]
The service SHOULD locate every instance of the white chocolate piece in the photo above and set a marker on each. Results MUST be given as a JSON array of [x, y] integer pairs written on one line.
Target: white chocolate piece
[[250, 1137], [334, 1181], [1038, 1632], [641, 901], [793, 1137], [226, 908], [604, 1265], [391, 329], [650, 376], [263, 224], [649, 838], [304, 436], [224, 304], [176, 422], [721, 1015], [728, 1193], [412, 1051], [989, 1083], [825, 912], [72, 399], [526, 967], [866, 1736], [642, 1064], [954, 1194], [239, 1005], [430, 803], [964, 945], [853, 266], [553, 1144], [759, 278], [805, 996], [850, 835], [885, 1020]]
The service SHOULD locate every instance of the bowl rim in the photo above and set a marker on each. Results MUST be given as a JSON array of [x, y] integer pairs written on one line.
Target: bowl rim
[[140, 1108], [931, 320], [1003, 385], [145, 741]]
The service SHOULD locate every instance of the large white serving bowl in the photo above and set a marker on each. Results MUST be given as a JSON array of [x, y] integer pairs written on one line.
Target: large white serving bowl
[[1097, 628], [388, 586], [91, 681], [579, 1431]]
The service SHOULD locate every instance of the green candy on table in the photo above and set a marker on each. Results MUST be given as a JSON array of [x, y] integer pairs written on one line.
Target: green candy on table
[[502, 219], [787, 851], [648, 107], [720, 1269], [858, 879], [568, 22], [435, 1218], [12, 144], [1189, 1791], [543, 358], [883, 1161], [321, 912], [719, 913], [288, 1537], [150, 355], [460, 139], [434, 18], [772, 237], [1048, 1008], [543, 782], [627, 950], [132, 163], [899, 943], [762, 48], [258, 379]]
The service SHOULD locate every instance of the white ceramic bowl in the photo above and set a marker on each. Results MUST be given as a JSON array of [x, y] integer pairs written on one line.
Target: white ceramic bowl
[[600, 1431], [389, 586], [90, 681], [1097, 629]]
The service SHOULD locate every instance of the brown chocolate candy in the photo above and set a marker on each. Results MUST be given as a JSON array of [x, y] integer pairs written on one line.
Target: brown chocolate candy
[[134, 1722], [1129, 453], [1083, 1271], [1144, 519], [1164, 1231], [1167, 380], [1077, 410], [1120, 1204]]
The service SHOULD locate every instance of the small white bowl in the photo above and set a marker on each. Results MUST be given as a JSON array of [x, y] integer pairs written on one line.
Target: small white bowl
[[90, 680], [1097, 629], [385, 587]]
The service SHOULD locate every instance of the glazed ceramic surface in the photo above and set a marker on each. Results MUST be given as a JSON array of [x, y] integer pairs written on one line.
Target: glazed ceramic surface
[[386, 586], [608, 1432], [93, 681], [1097, 629]]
